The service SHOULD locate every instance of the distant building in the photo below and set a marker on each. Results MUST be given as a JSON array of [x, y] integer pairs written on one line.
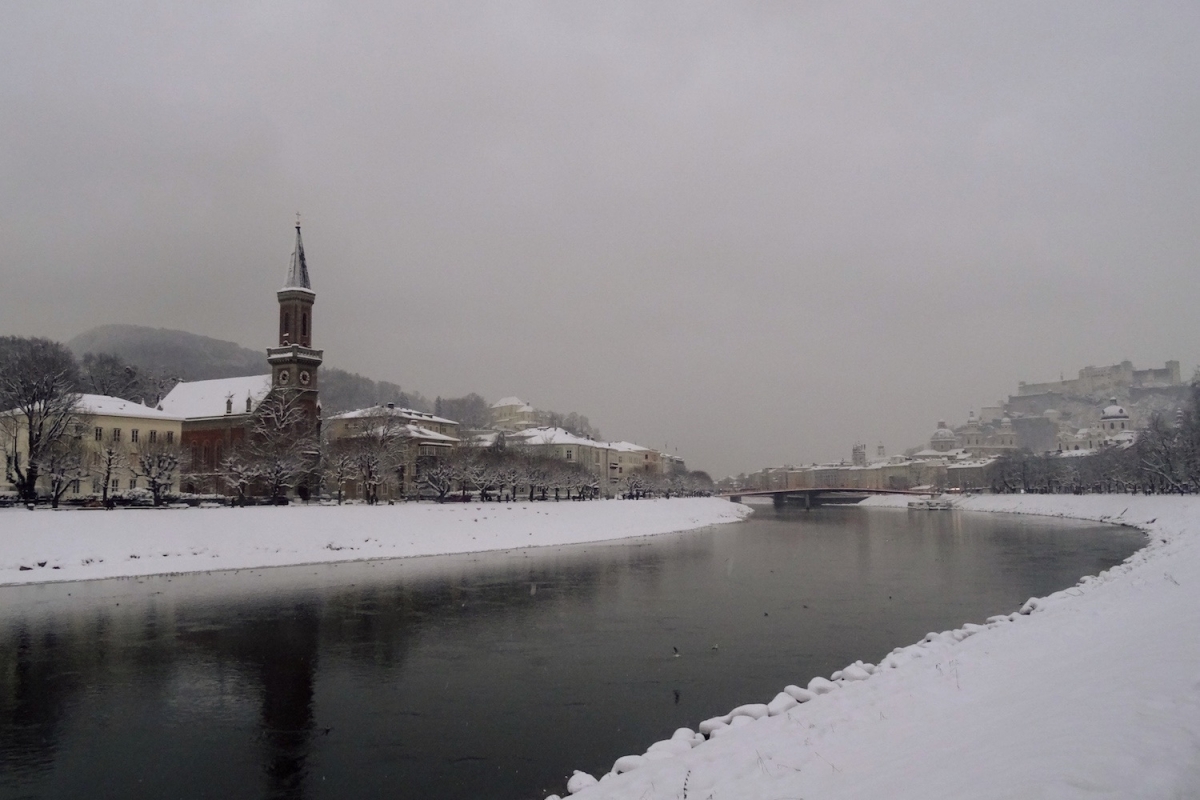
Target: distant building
[[513, 414], [610, 462], [1105, 379], [1115, 429]]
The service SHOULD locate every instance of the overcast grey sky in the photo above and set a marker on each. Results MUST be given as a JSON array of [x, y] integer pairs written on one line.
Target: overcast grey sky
[[756, 232]]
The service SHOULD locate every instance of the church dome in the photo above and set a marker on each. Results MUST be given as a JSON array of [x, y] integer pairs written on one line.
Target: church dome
[[1114, 411], [943, 434]]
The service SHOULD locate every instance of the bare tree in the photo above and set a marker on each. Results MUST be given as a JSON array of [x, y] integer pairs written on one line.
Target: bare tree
[[283, 442], [109, 460], [438, 476], [38, 405], [157, 464], [339, 465], [64, 465], [239, 472]]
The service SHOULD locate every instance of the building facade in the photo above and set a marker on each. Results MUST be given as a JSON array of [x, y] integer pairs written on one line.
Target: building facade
[[111, 433]]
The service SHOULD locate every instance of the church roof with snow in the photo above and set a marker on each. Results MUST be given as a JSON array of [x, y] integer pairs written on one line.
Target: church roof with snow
[[200, 399]]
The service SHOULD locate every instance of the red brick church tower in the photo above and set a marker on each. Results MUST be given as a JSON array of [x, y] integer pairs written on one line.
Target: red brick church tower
[[294, 362]]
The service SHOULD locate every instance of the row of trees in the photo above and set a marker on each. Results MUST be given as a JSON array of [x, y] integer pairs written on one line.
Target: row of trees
[[1164, 459], [378, 460]]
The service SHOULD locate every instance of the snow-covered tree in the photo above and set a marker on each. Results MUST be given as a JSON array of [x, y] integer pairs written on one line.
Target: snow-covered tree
[[64, 464], [239, 472], [283, 442], [38, 406], [157, 465]]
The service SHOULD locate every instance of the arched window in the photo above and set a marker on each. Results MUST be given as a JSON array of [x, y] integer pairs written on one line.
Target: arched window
[[287, 324], [304, 324]]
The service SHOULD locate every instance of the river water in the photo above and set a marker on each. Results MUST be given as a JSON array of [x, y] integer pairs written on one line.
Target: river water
[[489, 675]]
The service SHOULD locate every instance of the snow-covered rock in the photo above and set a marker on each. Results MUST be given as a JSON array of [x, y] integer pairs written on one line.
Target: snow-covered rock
[[579, 781], [628, 764], [821, 685], [782, 702]]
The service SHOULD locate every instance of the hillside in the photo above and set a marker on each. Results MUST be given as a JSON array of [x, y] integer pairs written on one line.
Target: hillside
[[188, 356]]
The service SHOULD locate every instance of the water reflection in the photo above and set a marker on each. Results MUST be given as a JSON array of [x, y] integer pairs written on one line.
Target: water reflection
[[488, 675]]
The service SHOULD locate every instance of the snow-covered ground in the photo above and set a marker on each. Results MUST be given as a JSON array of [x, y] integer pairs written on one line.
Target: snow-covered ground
[[1091, 692], [45, 545]]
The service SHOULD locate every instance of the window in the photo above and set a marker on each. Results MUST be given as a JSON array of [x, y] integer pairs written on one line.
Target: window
[[74, 487], [133, 435], [116, 485], [116, 437], [570, 454], [133, 483], [304, 324], [170, 437], [153, 437], [99, 434]]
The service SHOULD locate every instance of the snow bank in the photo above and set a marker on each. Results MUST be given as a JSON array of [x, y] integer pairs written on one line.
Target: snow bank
[[1093, 691], [44, 545]]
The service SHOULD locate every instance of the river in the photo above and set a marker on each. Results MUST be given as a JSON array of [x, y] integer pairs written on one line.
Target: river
[[488, 675]]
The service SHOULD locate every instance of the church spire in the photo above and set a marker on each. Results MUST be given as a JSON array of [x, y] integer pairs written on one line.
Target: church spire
[[298, 273]]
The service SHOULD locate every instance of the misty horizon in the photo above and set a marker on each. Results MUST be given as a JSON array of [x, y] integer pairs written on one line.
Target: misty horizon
[[751, 236]]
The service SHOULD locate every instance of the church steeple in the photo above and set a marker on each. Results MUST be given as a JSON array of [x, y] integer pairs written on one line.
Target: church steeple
[[298, 274], [294, 362]]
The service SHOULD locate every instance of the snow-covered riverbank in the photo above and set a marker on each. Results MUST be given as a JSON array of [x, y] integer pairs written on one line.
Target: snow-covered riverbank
[[1091, 692], [41, 546]]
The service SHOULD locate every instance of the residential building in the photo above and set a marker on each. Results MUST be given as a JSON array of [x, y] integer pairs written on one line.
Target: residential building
[[112, 433], [412, 440]]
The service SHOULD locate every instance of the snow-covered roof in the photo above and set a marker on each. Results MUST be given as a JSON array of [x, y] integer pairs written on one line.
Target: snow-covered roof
[[199, 399], [544, 436], [417, 432], [104, 405], [625, 447], [505, 402], [390, 411]]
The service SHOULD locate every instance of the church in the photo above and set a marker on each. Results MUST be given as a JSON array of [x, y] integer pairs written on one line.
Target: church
[[218, 415]]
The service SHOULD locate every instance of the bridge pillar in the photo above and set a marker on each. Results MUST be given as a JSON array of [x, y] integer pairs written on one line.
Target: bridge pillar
[[808, 500], [779, 499], [735, 498]]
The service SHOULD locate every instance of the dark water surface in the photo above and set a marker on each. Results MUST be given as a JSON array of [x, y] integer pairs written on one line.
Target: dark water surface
[[485, 676]]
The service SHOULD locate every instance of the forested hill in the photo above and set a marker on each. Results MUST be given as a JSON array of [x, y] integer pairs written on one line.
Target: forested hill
[[183, 355], [170, 355]]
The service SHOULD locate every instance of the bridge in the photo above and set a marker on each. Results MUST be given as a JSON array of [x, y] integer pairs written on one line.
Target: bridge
[[812, 496]]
